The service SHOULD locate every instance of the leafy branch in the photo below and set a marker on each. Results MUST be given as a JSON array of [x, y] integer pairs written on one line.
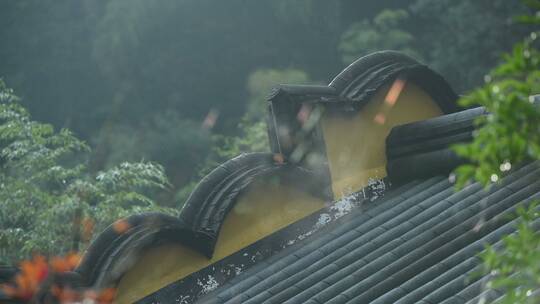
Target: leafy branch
[[509, 136], [47, 191]]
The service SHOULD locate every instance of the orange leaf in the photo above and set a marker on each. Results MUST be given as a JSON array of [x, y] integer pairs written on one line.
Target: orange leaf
[[59, 264], [73, 260]]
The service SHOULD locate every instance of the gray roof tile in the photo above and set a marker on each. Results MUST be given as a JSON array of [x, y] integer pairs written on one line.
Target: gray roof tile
[[418, 244]]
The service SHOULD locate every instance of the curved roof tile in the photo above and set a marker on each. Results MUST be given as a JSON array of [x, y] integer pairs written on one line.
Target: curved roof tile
[[198, 224], [206, 208], [359, 81]]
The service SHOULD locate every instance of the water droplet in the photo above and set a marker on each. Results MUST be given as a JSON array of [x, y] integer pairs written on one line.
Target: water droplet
[[534, 35], [494, 177], [495, 89], [506, 166]]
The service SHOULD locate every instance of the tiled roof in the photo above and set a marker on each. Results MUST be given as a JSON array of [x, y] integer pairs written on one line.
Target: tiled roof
[[197, 227], [358, 82], [422, 149], [418, 244]]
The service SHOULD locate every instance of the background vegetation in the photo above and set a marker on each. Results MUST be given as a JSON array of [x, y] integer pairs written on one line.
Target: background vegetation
[[49, 202], [136, 79], [138, 99]]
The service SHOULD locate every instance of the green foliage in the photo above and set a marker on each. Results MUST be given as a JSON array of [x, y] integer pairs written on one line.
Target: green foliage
[[46, 190], [530, 18], [508, 136], [384, 32], [463, 39], [166, 138], [511, 133], [254, 138], [516, 269]]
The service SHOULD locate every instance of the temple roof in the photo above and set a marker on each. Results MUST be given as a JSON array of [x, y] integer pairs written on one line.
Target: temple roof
[[415, 242], [203, 214], [418, 244], [406, 238]]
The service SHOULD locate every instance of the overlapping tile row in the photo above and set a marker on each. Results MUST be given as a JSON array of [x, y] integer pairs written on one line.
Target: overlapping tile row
[[418, 244], [423, 149]]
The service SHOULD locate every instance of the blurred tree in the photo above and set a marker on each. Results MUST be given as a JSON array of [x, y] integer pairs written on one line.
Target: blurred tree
[[463, 39], [164, 138], [253, 133], [178, 56], [261, 82], [448, 35], [46, 55], [253, 129], [44, 181], [115, 66], [385, 32], [353, 10]]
